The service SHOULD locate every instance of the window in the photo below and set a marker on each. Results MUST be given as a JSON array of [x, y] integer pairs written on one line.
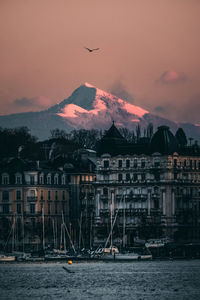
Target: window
[[5, 208], [56, 179], [32, 193], [135, 177], [56, 195], [105, 191], [143, 177], [135, 163], [18, 179], [142, 163], [49, 179], [156, 203], [32, 179], [106, 163], [19, 209], [157, 163], [49, 195], [49, 208], [41, 179], [190, 164], [56, 208], [5, 196], [195, 164], [42, 195], [120, 163], [175, 162], [69, 178], [119, 177], [127, 177], [63, 179], [18, 195], [63, 195], [127, 163], [32, 208], [5, 179], [157, 176]]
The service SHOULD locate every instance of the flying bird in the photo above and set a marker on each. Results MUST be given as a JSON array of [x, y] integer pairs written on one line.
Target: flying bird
[[91, 50]]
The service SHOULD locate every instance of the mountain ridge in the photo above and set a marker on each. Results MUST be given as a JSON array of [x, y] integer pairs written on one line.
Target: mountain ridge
[[89, 107]]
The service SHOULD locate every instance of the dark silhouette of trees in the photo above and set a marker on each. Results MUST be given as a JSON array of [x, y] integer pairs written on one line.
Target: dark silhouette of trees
[[13, 140]]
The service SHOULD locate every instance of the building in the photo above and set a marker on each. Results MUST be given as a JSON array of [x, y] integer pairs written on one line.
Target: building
[[34, 203], [150, 189]]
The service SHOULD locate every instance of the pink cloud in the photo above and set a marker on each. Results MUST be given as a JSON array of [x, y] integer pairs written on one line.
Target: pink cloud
[[172, 77]]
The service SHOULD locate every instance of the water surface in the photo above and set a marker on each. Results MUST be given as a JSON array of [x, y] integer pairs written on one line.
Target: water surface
[[135, 280]]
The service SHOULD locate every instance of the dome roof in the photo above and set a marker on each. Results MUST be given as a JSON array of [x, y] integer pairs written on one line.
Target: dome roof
[[163, 141]]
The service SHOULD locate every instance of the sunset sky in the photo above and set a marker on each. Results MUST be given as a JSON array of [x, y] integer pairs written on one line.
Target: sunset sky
[[149, 53]]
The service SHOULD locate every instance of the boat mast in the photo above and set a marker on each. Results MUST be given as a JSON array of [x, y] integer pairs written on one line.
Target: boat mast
[[43, 236], [79, 243], [111, 215], [124, 223]]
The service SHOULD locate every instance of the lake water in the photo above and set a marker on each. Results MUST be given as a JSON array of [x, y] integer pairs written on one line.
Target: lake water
[[135, 280]]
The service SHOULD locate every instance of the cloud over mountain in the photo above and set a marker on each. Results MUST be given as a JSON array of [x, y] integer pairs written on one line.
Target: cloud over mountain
[[37, 103]]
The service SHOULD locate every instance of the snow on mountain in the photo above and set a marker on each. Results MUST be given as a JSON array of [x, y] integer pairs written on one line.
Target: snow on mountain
[[91, 108], [100, 111]]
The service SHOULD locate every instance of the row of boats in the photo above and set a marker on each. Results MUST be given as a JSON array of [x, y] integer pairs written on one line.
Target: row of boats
[[101, 254]]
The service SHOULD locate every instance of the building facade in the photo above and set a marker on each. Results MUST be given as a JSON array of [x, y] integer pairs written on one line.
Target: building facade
[[34, 202], [147, 191]]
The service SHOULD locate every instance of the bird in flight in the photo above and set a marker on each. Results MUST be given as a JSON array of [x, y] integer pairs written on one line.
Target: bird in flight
[[91, 50]]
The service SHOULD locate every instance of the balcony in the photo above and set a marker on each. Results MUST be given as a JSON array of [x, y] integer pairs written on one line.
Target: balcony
[[156, 211], [133, 211], [104, 198], [127, 211], [32, 199]]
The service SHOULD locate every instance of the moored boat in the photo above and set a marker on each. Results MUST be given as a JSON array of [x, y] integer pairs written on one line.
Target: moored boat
[[6, 258]]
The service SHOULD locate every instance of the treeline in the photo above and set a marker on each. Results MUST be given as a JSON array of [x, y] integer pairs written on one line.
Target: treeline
[[19, 141], [89, 138], [13, 140]]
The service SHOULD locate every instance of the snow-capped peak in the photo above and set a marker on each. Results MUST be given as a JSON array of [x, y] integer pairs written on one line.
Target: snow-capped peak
[[90, 103]]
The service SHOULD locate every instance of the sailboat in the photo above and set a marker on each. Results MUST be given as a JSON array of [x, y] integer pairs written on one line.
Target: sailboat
[[112, 253]]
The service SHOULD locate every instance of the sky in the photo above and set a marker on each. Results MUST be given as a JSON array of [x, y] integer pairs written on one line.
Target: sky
[[149, 53]]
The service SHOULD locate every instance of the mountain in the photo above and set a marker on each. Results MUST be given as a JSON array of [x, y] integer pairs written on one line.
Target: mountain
[[90, 108]]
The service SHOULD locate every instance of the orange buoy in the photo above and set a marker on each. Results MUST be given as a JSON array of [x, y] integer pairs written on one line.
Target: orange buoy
[[69, 262]]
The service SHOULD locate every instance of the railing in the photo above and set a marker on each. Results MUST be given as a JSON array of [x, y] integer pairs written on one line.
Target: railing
[[33, 199], [128, 211], [155, 211]]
